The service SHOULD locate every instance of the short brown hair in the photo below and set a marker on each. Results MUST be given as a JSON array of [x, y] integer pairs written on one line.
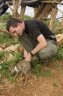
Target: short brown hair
[[12, 22]]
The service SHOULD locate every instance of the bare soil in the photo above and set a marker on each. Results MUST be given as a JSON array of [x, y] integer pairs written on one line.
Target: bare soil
[[37, 86]]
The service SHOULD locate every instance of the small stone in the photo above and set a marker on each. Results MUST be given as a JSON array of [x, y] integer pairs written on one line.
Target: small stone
[[1, 49], [8, 57], [10, 48]]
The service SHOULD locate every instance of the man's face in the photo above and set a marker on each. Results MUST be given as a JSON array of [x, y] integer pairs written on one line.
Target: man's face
[[16, 31]]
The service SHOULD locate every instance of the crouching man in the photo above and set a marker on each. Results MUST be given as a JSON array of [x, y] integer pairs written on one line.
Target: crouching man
[[35, 36]]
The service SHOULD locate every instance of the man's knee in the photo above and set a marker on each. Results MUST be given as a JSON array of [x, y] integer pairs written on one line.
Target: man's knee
[[48, 52]]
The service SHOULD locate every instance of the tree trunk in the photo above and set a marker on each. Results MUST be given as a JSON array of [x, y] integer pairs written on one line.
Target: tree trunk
[[21, 16], [38, 12], [16, 4], [44, 11], [53, 17], [15, 8], [61, 24]]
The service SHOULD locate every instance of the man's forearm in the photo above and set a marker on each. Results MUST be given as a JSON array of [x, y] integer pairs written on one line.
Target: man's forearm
[[38, 48], [25, 53]]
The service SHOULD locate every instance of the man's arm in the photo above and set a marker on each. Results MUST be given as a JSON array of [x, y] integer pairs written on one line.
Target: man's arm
[[27, 56], [25, 53], [41, 44]]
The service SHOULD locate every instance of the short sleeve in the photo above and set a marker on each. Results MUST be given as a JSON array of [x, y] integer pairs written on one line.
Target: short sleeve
[[34, 31]]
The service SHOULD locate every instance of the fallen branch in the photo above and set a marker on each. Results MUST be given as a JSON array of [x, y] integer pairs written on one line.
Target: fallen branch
[[3, 31], [52, 2], [9, 5]]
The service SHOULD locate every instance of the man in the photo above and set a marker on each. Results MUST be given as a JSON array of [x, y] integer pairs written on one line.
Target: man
[[35, 36]]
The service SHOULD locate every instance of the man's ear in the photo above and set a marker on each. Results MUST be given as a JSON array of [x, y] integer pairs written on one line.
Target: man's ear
[[22, 23]]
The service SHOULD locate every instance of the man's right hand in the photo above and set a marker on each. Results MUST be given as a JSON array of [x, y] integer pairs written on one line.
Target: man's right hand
[[28, 57]]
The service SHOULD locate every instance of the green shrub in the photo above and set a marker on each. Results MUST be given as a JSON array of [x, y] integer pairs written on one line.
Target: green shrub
[[5, 38], [59, 54]]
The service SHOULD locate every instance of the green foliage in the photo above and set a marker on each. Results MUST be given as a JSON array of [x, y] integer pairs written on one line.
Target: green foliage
[[6, 65], [3, 26], [56, 24], [5, 72], [5, 17], [59, 54], [18, 56], [37, 69], [5, 38], [27, 17], [1, 55]]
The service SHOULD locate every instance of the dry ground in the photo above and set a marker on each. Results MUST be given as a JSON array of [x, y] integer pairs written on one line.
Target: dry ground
[[37, 86]]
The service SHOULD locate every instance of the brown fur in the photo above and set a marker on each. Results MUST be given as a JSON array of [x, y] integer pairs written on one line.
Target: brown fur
[[23, 67]]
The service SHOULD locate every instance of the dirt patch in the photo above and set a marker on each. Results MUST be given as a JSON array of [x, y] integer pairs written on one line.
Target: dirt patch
[[37, 86]]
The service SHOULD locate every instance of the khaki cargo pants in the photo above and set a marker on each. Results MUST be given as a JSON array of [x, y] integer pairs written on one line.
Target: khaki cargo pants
[[49, 51]]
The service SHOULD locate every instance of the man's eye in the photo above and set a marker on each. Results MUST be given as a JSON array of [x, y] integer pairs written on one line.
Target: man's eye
[[14, 32]]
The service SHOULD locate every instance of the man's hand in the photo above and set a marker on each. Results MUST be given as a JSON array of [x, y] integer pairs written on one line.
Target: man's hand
[[28, 58]]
